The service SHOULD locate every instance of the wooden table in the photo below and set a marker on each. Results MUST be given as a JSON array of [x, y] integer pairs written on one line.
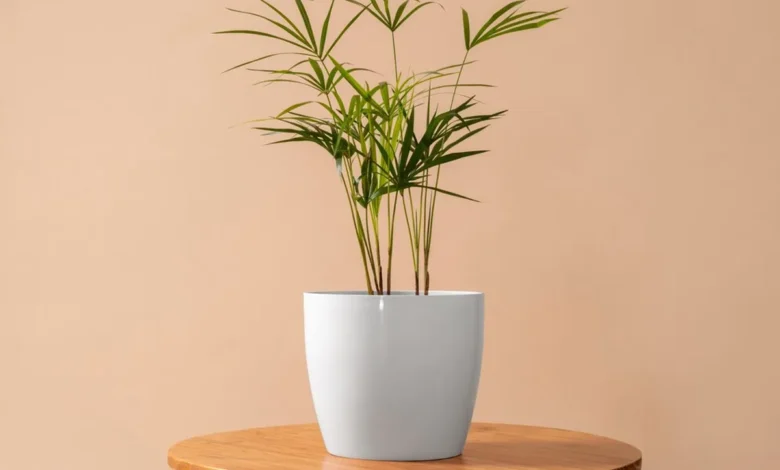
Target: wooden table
[[489, 447]]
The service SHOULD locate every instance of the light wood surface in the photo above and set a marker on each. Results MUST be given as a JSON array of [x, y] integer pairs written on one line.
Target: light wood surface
[[490, 447]]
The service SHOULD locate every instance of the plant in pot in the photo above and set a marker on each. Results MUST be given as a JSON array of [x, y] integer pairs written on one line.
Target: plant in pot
[[393, 374]]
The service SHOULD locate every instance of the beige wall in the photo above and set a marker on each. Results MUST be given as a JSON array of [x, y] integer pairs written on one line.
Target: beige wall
[[152, 260]]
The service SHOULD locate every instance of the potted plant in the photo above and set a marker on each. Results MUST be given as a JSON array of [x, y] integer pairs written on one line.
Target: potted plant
[[393, 375]]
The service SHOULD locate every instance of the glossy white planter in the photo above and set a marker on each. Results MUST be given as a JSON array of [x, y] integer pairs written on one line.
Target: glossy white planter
[[394, 377]]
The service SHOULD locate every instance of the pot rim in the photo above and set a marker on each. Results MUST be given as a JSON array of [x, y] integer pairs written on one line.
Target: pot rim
[[395, 294]]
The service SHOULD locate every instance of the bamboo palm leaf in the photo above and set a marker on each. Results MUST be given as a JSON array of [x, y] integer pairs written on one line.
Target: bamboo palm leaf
[[286, 19], [325, 25], [406, 146], [400, 11], [264, 34], [506, 21], [375, 10], [259, 59], [279, 25], [466, 29], [293, 108], [307, 23], [495, 18], [320, 75], [448, 193], [520, 28], [271, 81], [463, 85], [343, 32], [387, 9], [527, 17], [397, 24], [451, 157], [356, 85], [462, 139], [306, 77]]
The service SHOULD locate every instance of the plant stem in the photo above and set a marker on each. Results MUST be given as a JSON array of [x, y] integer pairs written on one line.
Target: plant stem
[[357, 234], [391, 233], [367, 241], [457, 81], [418, 225], [425, 230], [413, 242], [421, 235], [379, 257], [395, 56], [429, 227], [365, 234], [371, 251]]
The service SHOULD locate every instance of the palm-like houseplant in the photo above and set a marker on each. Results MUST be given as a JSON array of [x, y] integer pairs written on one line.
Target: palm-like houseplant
[[389, 141]]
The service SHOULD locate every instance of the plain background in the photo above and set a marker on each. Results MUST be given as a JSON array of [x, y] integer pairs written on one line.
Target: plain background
[[152, 258]]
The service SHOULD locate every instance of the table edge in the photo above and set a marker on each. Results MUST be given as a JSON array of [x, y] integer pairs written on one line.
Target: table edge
[[177, 464]]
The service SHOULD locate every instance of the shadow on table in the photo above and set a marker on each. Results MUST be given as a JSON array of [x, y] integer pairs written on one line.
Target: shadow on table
[[541, 454], [535, 455]]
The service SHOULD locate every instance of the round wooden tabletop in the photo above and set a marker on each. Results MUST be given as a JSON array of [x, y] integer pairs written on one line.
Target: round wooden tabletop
[[490, 446]]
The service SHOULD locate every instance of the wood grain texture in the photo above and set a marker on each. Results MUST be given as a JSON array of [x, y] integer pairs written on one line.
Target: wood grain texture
[[489, 447]]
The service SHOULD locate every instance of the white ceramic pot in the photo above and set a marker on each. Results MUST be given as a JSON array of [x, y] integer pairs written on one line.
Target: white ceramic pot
[[394, 377]]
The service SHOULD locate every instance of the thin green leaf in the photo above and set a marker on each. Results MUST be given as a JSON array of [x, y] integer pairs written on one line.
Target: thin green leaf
[[515, 17], [320, 75], [412, 12], [521, 28], [387, 9], [399, 12], [428, 106], [259, 59], [260, 33], [343, 72], [339, 101], [276, 130], [296, 139], [290, 69], [496, 16], [332, 79], [463, 138], [378, 9], [464, 85], [344, 31], [448, 193], [307, 23], [407, 143], [422, 98], [308, 78], [467, 29], [286, 19], [286, 29], [292, 108], [355, 84], [387, 158], [528, 19], [385, 92], [271, 81], [325, 25], [451, 157], [440, 71], [376, 12]]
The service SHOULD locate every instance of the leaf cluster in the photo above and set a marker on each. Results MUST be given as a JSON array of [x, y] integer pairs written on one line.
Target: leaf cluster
[[389, 140]]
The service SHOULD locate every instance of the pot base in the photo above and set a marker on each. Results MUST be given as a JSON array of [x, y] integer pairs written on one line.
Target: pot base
[[389, 459]]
